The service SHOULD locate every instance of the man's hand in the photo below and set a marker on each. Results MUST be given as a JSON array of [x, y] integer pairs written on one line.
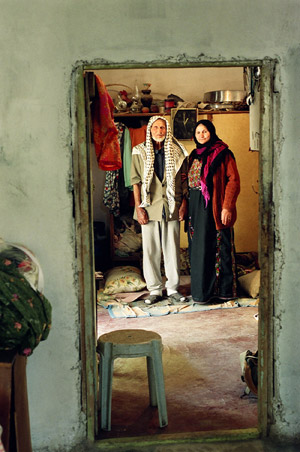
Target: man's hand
[[183, 210], [142, 216]]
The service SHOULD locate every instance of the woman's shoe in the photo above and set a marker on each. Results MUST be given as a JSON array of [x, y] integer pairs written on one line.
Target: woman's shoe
[[203, 302], [226, 298], [200, 302]]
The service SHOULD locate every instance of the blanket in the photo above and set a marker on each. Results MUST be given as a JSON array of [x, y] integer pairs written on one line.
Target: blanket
[[133, 305]]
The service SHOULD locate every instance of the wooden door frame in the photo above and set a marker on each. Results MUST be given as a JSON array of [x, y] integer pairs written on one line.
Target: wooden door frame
[[84, 237]]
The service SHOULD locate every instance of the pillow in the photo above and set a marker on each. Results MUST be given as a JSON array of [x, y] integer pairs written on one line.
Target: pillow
[[123, 279], [129, 241], [250, 283]]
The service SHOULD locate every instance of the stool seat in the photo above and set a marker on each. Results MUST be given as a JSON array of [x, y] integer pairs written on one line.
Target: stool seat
[[131, 343]]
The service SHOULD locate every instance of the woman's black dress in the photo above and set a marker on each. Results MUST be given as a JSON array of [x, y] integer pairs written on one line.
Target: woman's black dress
[[211, 252]]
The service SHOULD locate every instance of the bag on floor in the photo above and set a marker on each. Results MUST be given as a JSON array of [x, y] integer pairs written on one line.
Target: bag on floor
[[249, 364]]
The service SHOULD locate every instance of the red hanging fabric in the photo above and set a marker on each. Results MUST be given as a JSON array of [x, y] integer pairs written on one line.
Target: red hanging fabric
[[105, 133], [137, 135]]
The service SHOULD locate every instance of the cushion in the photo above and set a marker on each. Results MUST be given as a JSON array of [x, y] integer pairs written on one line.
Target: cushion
[[129, 241], [250, 283], [124, 279], [25, 261]]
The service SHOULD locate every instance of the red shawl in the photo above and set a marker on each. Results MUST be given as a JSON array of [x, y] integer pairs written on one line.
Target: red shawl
[[105, 133]]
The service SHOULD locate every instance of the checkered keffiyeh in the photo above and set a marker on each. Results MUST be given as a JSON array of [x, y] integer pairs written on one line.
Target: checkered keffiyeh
[[174, 154]]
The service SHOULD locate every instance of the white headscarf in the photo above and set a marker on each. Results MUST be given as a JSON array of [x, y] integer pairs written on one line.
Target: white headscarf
[[174, 155]]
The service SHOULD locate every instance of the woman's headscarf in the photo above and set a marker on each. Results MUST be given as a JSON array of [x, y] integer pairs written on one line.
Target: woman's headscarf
[[208, 152]]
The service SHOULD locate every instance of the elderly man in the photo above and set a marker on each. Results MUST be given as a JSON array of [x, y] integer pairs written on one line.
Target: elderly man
[[159, 179]]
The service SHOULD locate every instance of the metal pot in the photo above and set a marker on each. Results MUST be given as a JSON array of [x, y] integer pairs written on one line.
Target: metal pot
[[220, 106], [215, 97]]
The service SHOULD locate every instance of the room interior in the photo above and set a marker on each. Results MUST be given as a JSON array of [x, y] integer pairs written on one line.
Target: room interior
[[202, 349]]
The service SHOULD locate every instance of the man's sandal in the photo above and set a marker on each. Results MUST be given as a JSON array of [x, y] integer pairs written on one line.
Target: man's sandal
[[153, 299]]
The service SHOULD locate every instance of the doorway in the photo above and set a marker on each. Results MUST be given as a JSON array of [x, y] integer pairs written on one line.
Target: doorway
[[84, 234]]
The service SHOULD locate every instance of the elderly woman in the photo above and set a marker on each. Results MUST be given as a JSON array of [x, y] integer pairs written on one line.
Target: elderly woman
[[214, 185]]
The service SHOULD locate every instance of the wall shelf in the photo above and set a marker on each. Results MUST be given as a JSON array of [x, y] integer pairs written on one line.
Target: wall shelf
[[220, 112], [133, 115], [200, 112]]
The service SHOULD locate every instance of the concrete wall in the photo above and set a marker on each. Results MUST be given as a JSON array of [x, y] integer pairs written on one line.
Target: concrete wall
[[41, 43]]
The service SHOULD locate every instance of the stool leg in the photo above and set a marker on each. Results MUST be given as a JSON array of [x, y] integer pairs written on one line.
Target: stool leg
[[151, 381], [159, 383], [105, 385]]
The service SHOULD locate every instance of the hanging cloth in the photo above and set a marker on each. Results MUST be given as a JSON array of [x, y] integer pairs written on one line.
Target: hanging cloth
[[111, 197], [127, 147], [105, 133], [111, 194], [137, 135]]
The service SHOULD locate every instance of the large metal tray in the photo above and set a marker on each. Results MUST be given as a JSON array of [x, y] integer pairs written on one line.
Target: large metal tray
[[224, 96]]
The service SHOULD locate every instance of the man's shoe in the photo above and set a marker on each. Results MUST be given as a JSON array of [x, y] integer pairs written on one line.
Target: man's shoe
[[153, 299], [177, 298]]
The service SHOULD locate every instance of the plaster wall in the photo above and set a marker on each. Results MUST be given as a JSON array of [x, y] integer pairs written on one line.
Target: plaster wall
[[41, 44]]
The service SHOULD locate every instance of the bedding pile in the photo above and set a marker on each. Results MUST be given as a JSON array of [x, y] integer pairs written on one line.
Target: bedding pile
[[25, 313]]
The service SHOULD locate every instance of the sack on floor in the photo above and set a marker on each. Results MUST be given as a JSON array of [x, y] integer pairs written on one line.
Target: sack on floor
[[249, 364]]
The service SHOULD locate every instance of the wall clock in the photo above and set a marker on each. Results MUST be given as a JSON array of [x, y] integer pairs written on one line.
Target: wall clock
[[183, 122]]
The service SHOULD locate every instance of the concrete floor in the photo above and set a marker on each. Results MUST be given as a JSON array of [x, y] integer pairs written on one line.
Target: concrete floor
[[201, 371], [254, 445], [181, 438]]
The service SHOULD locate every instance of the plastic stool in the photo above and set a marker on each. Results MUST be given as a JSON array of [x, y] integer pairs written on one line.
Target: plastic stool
[[131, 344]]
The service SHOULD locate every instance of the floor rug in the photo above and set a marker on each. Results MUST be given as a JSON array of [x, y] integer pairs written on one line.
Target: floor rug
[[132, 305]]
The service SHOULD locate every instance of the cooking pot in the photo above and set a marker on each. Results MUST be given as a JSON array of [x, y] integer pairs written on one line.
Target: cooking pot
[[215, 97]]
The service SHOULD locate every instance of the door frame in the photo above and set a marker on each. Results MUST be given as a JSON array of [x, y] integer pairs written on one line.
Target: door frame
[[84, 236]]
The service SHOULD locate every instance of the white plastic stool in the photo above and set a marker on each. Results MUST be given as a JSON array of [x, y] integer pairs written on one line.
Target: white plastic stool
[[131, 344]]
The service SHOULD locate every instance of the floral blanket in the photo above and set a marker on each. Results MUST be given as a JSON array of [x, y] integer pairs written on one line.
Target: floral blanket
[[25, 314]]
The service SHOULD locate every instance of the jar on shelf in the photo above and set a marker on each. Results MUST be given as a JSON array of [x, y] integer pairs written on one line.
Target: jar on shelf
[[121, 104], [169, 103], [146, 97], [136, 101]]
